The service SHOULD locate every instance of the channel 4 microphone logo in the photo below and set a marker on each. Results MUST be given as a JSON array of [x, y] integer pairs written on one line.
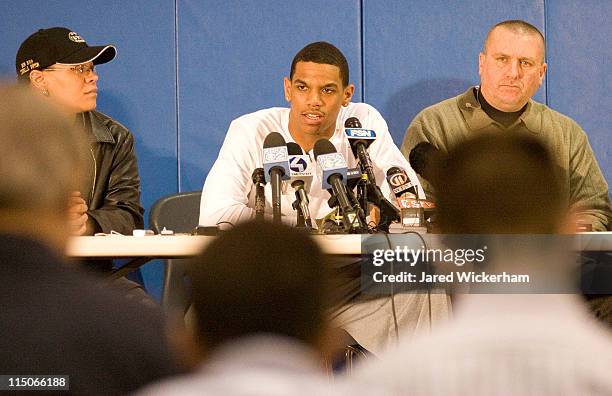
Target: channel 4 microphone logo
[[360, 133], [298, 163]]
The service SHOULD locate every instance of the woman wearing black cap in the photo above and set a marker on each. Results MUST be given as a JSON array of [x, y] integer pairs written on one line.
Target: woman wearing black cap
[[60, 65]]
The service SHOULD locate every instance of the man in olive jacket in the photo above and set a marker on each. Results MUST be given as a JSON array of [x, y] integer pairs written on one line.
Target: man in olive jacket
[[511, 69]]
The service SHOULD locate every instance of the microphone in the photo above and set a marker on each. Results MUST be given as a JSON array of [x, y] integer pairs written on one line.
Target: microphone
[[412, 209], [400, 183], [424, 158], [259, 180], [360, 139], [301, 177], [353, 176], [276, 167], [332, 171]]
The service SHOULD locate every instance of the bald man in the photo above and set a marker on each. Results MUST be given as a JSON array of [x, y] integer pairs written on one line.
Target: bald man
[[512, 67]]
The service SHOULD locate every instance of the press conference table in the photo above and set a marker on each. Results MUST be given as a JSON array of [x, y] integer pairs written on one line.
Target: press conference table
[[143, 249]]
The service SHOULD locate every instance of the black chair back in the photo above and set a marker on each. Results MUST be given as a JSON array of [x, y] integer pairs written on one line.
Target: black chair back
[[179, 213]]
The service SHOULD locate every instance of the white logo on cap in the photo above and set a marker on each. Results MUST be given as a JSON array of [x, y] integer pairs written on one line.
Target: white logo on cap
[[73, 36]]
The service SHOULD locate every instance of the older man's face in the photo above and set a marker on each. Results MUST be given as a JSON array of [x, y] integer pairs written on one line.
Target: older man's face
[[511, 68]]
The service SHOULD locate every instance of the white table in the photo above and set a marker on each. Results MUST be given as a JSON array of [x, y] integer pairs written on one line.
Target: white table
[[143, 249]]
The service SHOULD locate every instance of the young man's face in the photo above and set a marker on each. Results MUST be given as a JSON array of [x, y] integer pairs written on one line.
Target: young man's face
[[316, 94], [512, 68]]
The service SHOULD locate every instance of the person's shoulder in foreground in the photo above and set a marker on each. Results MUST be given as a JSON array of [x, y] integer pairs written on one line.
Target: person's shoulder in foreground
[[261, 314], [55, 321], [505, 339]]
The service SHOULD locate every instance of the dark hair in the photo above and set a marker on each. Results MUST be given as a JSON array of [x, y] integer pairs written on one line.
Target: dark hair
[[260, 278], [323, 53], [499, 185], [520, 27]]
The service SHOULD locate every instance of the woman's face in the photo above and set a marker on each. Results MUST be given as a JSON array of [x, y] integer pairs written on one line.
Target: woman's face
[[72, 87]]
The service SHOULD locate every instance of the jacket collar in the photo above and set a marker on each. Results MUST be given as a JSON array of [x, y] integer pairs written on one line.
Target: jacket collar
[[99, 128], [477, 119]]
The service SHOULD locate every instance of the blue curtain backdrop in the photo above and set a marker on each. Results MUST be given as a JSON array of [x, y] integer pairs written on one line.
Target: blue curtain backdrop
[[186, 68]]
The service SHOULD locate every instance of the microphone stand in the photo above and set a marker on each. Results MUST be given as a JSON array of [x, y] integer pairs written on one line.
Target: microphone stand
[[275, 179], [260, 195], [362, 192], [357, 213], [301, 222], [260, 202], [388, 212], [300, 205], [361, 216]]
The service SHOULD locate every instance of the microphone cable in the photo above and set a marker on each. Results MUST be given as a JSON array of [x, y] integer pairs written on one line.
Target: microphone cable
[[428, 269], [393, 310]]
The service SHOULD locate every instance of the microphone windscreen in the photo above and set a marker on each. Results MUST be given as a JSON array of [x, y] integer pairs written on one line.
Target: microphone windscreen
[[329, 162], [352, 122], [323, 146], [275, 156], [392, 170], [274, 139], [400, 183], [294, 149], [258, 176], [421, 156]]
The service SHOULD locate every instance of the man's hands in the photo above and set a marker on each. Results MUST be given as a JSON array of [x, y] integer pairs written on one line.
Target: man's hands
[[77, 214]]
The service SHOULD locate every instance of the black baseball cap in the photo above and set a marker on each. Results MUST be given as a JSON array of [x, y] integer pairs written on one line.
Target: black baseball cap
[[58, 45]]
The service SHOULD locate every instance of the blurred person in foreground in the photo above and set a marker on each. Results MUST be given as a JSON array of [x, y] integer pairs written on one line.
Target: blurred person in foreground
[[261, 295], [54, 320], [528, 342]]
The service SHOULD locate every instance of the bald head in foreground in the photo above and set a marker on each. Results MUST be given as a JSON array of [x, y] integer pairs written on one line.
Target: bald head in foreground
[[54, 320], [524, 342], [261, 301]]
